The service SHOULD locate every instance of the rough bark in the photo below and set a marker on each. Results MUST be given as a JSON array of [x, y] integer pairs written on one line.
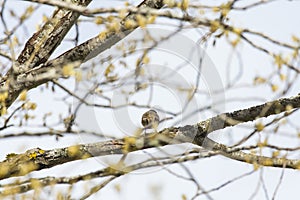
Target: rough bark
[[38, 159]]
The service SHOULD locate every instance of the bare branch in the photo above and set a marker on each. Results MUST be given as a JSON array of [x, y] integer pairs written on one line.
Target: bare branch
[[40, 159], [42, 72]]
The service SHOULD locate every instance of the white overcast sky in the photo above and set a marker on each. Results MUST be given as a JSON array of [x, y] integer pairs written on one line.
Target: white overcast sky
[[279, 20]]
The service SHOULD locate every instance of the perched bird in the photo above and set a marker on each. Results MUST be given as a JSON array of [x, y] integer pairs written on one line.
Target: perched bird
[[150, 119]]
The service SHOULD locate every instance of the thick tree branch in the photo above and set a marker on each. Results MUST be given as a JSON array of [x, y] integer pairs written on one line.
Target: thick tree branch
[[37, 50], [37, 159], [245, 115], [115, 171], [47, 71], [43, 43]]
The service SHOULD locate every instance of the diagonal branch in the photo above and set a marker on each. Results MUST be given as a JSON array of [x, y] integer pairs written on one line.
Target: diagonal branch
[[115, 171], [43, 43], [37, 159], [245, 115], [37, 50], [42, 71]]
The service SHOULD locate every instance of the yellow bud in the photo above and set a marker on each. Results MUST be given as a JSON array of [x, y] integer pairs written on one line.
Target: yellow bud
[[3, 110], [259, 80], [235, 42], [238, 31], [282, 77], [279, 61], [259, 126], [295, 39], [102, 35], [275, 154], [274, 87], [151, 19], [129, 23], [73, 151], [289, 108], [170, 3], [32, 106], [141, 20], [215, 25], [68, 70], [29, 106], [45, 18], [99, 20], [255, 166], [3, 96], [30, 9], [185, 4], [23, 95], [215, 9], [295, 53], [146, 60], [78, 75]]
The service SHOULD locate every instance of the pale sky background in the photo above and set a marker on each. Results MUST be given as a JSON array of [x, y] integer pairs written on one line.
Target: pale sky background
[[278, 19]]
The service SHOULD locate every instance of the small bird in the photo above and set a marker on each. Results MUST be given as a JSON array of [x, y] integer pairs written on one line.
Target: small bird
[[150, 119]]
